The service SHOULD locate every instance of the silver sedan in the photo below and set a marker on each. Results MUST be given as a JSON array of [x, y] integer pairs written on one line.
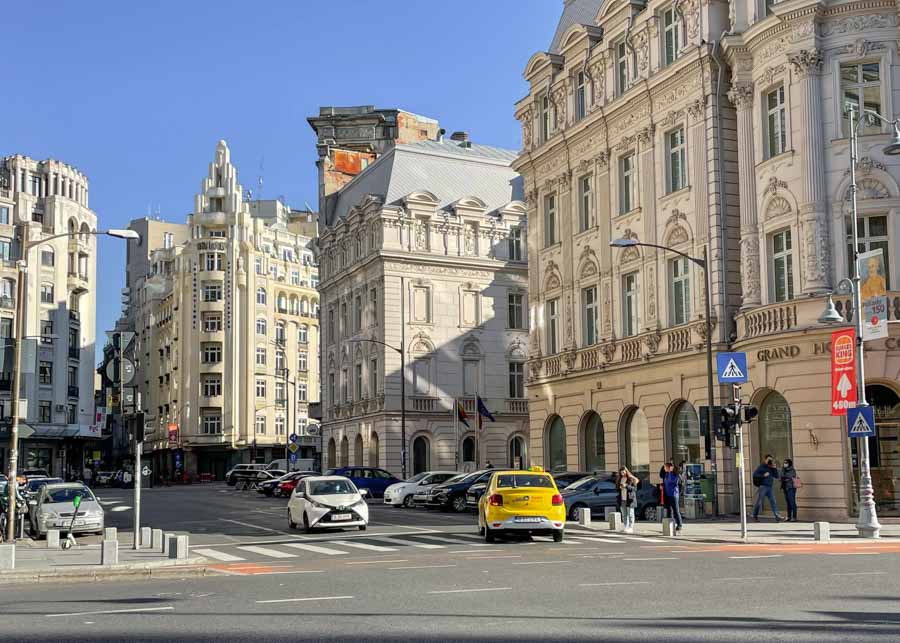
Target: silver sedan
[[54, 508]]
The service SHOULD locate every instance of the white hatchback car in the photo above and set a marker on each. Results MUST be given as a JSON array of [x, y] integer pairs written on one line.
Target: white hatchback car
[[328, 502], [401, 493]]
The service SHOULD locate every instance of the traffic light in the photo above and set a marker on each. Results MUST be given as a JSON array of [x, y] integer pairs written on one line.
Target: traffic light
[[750, 413], [729, 422]]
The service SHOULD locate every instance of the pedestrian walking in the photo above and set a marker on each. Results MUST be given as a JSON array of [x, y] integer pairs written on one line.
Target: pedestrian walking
[[626, 498], [764, 478], [672, 493], [790, 482], [88, 476]]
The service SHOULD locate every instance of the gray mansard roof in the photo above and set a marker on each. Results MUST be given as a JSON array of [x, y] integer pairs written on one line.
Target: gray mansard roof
[[445, 168], [575, 12]]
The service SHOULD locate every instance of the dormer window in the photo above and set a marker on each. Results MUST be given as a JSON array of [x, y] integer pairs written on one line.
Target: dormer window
[[580, 96], [671, 36], [621, 67], [545, 118]]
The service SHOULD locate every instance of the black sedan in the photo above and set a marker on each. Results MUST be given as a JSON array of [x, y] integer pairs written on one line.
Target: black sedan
[[473, 495], [452, 495], [565, 478], [599, 491]]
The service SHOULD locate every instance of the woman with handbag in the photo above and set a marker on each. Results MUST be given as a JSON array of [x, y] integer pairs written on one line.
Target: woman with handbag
[[626, 498], [790, 482]]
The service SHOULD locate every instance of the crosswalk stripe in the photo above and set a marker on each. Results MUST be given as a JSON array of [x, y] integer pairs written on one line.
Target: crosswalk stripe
[[445, 540], [475, 536], [265, 551], [346, 543], [408, 543], [218, 555], [596, 539], [316, 549]]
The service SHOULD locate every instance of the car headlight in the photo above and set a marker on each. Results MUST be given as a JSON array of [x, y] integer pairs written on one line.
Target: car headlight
[[319, 505], [359, 503]]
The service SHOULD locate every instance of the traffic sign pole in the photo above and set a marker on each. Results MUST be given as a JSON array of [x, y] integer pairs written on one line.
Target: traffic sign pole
[[741, 477]]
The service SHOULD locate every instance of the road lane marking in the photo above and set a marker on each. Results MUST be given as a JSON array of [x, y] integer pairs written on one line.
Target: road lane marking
[[218, 555], [489, 557], [129, 610], [120, 508], [758, 556], [441, 539], [543, 562], [473, 551], [477, 589], [247, 524], [371, 562], [654, 558], [421, 567], [344, 543], [853, 553], [859, 574], [598, 539], [265, 551], [292, 571], [692, 551], [316, 549], [742, 578], [627, 582], [302, 600], [408, 543]]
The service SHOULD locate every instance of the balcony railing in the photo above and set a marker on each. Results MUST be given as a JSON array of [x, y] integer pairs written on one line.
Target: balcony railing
[[519, 407], [424, 404]]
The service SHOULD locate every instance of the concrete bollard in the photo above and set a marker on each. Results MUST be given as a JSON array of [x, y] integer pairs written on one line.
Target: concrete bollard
[[167, 541], [145, 537], [157, 540], [109, 552], [615, 521], [53, 539], [584, 516], [7, 556], [668, 527], [110, 533], [178, 547], [822, 531]]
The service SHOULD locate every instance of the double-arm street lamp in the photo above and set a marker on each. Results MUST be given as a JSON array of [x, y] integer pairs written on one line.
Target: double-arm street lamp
[[282, 348], [867, 524], [22, 265]]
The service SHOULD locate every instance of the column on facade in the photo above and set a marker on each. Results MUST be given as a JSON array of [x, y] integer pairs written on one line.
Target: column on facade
[[647, 172], [534, 274], [741, 95], [604, 209], [816, 247], [566, 221]]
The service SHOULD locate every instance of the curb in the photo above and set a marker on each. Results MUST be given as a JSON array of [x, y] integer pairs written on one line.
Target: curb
[[189, 567], [751, 539]]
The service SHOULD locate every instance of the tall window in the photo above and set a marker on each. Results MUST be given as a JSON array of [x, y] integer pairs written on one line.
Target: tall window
[[373, 306], [279, 362], [626, 183], [344, 384], [357, 314], [373, 377], [681, 291], [545, 118], [212, 423], [47, 330], [45, 411], [214, 261], [280, 393], [629, 304], [303, 334], [549, 220], [48, 257], [261, 296], [280, 334], [872, 234], [861, 90], [260, 387], [515, 244], [516, 380], [47, 293], [589, 315], [584, 202], [5, 248], [261, 327], [782, 266], [358, 372], [580, 96], [45, 373], [776, 140], [671, 35], [260, 425], [212, 291], [168, 240], [301, 392], [515, 310], [260, 356], [212, 322], [621, 68], [4, 215], [302, 362], [212, 385], [677, 169], [552, 326]]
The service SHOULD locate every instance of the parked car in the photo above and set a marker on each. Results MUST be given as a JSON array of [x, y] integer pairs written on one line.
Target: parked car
[[53, 509], [402, 493], [242, 472], [452, 494], [287, 485], [420, 497], [24, 475], [103, 477], [372, 478], [268, 487], [473, 495], [269, 474], [328, 501], [599, 490], [33, 486], [565, 478]]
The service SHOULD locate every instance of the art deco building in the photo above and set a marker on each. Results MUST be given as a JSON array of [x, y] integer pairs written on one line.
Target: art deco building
[[225, 310], [40, 199]]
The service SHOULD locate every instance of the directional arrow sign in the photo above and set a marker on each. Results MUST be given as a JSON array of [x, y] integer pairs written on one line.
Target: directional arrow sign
[[844, 385], [861, 422], [843, 371]]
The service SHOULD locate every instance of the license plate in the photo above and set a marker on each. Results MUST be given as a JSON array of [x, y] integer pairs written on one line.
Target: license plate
[[341, 516], [79, 523], [527, 519]]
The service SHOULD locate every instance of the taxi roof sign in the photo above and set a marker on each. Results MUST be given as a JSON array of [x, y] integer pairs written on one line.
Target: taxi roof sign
[[536, 468]]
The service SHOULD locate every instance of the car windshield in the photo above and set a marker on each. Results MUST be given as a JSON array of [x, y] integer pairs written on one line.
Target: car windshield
[[34, 485], [418, 477], [330, 487], [524, 480], [582, 483], [67, 494]]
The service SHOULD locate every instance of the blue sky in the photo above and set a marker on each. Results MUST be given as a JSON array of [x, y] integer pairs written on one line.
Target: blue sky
[[137, 94]]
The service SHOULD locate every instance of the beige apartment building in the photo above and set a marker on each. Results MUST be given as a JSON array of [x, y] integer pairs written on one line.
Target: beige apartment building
[[643, 123], [225, 311]]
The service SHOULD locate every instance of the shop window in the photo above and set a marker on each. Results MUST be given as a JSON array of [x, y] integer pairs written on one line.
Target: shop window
[[636, 444], [685, 435], [774, 430], [593, 442], [555, 441]]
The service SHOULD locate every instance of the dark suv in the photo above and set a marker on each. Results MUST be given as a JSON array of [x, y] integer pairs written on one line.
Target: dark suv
[[371, 478], [452, 495]]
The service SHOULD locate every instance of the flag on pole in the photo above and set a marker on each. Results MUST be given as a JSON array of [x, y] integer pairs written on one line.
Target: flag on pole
[[483, 412], [461, 414]]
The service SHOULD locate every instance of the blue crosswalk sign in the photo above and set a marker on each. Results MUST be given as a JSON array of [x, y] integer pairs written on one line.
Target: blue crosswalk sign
[[861, 422], [731, 367]]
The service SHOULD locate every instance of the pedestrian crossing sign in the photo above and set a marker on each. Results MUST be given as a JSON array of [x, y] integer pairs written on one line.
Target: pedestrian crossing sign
[[731, 367], [861, 422]]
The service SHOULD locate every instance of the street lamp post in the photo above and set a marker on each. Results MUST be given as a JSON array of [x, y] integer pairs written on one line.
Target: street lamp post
[[22, 265], [287, 403], [867, 524]]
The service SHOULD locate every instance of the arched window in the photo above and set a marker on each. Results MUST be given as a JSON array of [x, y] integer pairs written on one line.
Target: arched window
[[304, 307], [373, 450], [636, 444], [261, 296], [84, 231], [73, 226], [295, 305], [468, 449], [421, 454], [685, 435], [332, 457], [345, 452], [358, 451], [282, 303], [593, 442], [261, 326], [555, 449], [774, 430], [517, 455]]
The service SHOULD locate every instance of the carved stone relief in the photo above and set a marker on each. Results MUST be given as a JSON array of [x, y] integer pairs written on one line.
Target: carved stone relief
[[777, 207], [817, 251], [677, 236], [750, 272], [741, 95], [606, 312], [651, 293], [806, 62], [559, 102], [527, 128], [597, 72]]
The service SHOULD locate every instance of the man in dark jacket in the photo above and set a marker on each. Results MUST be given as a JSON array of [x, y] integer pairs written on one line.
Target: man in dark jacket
[[765, 475], [671, 492]]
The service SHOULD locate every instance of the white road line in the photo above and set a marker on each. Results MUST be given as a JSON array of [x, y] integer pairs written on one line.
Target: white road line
[[654, 558], [489, 557], [120, 508], [408, 543], [473, 551], [759, 556], [693, 551], [316, 549], [457, 535], [543, 562], [368, 547], [477, 589], [421, 567], [629, 582], [859, 574], [742, 578], [247, 524], [218, 555], [301, 600], [372, 562], [853, 553], [598, 539], [123, 611], [265, 551], [441, 539]]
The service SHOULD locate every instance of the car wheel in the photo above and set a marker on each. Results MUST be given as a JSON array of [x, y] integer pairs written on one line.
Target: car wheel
[[458, 504], [408, 501], [558, 536], [574, 512], [306, 526], [362, 527], [650, 512], [489, 536], [291, 523]]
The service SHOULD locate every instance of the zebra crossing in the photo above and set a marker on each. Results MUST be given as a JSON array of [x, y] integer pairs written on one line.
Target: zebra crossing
[[388, 544]]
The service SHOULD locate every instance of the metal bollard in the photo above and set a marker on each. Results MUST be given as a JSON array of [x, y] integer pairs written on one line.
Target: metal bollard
[[615, 521], [7, 556], [157, 540], [53, 539], [668, 527], [822, 531], [145, 537], [110, 533], [584, 516], [109, 552]]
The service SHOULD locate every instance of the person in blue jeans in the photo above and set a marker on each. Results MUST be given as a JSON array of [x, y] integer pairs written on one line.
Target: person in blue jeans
[[764, 478], [671, 492]]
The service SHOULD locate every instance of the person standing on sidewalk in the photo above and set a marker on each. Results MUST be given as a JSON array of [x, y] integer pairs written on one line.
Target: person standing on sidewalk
[[626, 498], [764, 478], [790, 482], [672, 493]]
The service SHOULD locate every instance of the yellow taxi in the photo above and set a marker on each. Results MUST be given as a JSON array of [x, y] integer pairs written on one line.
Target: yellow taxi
[[525, 502]]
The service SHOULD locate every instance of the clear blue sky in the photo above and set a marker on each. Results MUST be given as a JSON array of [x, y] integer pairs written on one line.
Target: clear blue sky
[[136, 95]]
